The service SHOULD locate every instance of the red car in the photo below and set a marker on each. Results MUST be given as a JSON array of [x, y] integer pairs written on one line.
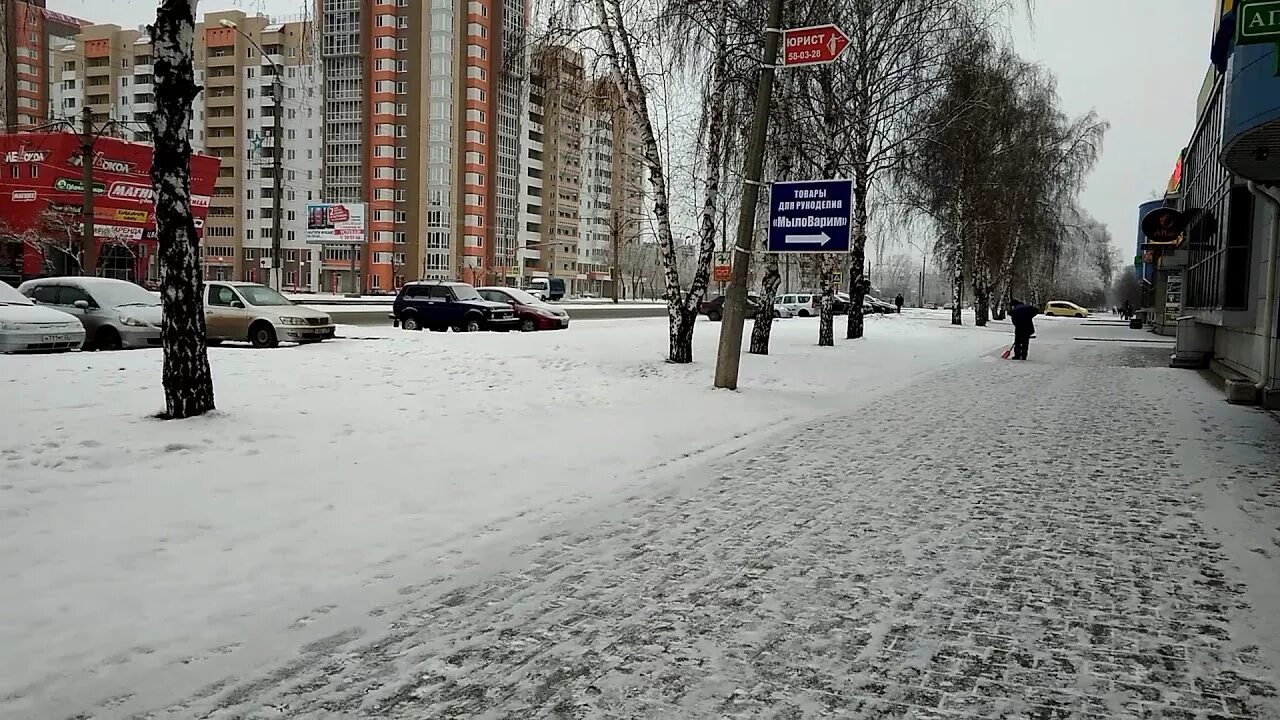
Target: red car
[[532, 312]]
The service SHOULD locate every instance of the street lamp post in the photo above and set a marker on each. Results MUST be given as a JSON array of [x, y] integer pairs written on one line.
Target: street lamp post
[[924, 259], [277, 156]]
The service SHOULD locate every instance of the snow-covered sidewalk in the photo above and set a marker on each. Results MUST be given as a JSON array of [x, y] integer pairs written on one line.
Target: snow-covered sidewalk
[[561, 525], [143, 558]]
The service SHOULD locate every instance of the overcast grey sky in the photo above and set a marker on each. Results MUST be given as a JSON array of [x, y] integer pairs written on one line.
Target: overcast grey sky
[[1139, 63]]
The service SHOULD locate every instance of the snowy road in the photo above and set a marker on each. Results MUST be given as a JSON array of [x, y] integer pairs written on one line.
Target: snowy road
[[916, 529]]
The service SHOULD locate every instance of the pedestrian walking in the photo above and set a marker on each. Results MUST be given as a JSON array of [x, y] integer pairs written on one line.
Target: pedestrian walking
[[1126, 312], [1023, 328], [899, 301]]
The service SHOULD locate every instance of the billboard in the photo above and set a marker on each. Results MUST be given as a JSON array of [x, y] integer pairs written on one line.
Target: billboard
[[42, 188], [336, 223]]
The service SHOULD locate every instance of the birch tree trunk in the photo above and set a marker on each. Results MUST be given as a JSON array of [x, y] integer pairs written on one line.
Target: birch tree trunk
[[188, 384], [981, 289], [1005, 281], [858, 283], [763, 325], [762, 329], [957, 281], [981, 303], [682, 310], [826, 307], [831, 116]]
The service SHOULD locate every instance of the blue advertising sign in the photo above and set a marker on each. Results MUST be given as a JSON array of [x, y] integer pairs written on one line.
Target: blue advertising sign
[[810, 216]]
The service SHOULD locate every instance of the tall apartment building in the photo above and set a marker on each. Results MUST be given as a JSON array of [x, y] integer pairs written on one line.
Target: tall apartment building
[[109, 70], [529, 230], [583, 175], [422, 123], [612, 191], [557, 83], [30, 35], [511, 96]]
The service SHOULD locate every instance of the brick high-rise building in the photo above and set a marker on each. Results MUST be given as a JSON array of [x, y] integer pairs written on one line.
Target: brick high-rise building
[[30, 34], [108, 69], [421, 113]]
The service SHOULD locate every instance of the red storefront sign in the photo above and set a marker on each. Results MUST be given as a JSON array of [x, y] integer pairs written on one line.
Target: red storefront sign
[[41, 183]]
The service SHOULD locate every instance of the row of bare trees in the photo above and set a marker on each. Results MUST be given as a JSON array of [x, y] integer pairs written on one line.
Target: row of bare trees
[[999, 179], [926, 112]]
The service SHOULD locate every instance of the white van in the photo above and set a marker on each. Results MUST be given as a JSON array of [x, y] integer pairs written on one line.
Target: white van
[[798, 303]]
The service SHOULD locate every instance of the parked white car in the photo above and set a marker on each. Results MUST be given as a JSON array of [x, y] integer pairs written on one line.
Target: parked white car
[[798, 303], [27, 327]]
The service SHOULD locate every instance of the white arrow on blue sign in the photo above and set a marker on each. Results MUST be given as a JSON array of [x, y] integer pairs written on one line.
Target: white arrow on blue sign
[[810, 216]]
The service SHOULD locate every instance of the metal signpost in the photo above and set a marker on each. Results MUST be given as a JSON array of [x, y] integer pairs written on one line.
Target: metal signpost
[[803, 217], [810, 216]]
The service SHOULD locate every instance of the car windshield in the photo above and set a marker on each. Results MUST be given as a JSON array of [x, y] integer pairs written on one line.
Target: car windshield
[[116, 294], [9, 296], [522, 297], [466, 292], [262, 296]]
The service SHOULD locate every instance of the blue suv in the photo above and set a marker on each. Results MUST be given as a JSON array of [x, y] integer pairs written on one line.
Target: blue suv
[[439, 305]]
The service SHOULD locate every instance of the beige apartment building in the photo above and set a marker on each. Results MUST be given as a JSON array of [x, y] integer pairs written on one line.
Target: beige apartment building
[[108, 69], [583, 179], [557, 84], [612, 185]]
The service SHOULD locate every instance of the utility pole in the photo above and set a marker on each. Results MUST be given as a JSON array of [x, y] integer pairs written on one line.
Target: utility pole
[[923, 264], [277, 152], [89, 251], [730, 351]]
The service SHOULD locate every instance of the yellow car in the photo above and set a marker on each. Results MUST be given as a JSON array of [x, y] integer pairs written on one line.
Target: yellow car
[[1062, 307]]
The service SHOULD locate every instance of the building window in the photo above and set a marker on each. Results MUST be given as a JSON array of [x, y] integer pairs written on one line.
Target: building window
[[1235, 294]]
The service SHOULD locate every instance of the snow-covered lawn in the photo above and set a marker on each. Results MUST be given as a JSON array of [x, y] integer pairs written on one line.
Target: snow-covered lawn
[[130, 546]]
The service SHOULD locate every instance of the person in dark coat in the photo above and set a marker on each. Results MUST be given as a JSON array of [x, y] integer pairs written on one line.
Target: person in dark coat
[[1023, 328], [899, 301]]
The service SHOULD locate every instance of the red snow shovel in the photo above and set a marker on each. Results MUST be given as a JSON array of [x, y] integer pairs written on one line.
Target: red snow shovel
[[1005, 355]]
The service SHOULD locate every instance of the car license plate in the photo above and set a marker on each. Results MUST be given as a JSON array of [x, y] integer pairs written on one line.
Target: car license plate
[[53, 338]]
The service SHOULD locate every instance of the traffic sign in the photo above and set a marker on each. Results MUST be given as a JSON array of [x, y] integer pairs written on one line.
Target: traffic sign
[[810, 216], [815, 45]]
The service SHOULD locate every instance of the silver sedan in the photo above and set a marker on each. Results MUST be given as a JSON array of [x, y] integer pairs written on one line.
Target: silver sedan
[[116, 314]]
